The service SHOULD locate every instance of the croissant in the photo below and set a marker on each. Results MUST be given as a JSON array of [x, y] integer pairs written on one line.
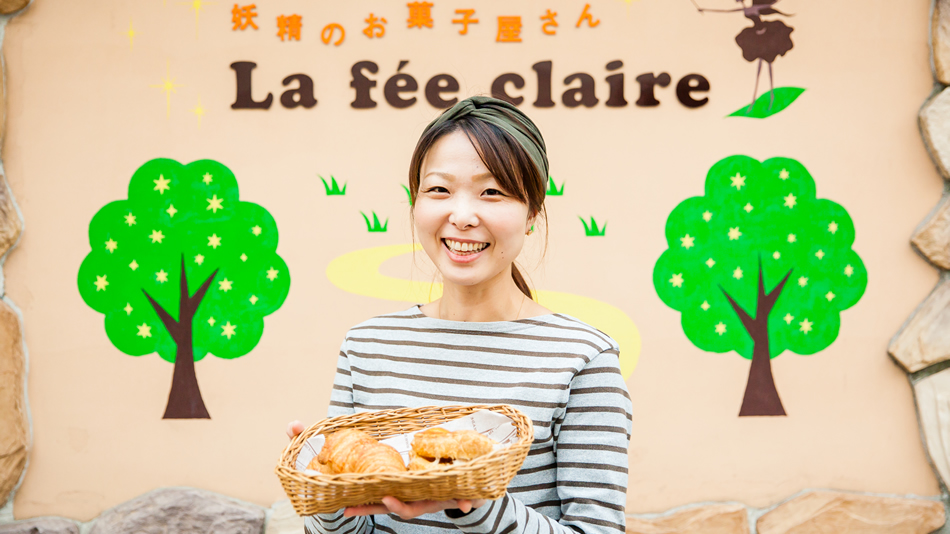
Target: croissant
[[439, 446], [354, 451]]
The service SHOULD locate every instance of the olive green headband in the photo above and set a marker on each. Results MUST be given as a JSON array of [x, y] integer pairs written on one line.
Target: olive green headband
[[505, 116]]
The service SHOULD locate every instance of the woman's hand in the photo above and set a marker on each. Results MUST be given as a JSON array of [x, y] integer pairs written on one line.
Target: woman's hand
[[409, 510], [294, 428]]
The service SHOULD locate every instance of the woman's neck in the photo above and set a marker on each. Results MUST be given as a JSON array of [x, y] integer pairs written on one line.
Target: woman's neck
[[493, 300]]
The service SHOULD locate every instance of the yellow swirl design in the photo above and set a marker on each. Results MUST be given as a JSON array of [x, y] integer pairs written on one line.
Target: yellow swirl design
[[358, 272]]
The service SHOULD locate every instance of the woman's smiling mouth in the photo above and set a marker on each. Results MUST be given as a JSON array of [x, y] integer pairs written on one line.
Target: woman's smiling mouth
[[463, 248]]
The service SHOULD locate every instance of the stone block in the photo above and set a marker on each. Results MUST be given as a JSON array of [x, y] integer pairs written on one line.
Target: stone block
[[182, 511], [828, 512], [42, 525], [8, 7], [933, 413], [10, 224], [940, 30], [935, 126], [925, 339], [709, 519], [932, 238], [283, 519], [14, 425]]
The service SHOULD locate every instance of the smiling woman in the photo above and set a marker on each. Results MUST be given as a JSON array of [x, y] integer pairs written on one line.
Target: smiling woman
[[477, 183]]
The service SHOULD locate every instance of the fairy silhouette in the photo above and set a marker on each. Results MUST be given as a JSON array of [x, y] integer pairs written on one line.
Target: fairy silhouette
[[764, 40]]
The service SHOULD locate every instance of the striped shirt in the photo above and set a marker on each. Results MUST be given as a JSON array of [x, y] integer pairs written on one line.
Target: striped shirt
[[557, 370]]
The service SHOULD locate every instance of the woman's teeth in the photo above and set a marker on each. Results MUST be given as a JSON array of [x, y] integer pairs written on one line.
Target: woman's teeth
[[458, 247]]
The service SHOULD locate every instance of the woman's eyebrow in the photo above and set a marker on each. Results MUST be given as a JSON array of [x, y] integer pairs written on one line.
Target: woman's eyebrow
[[450, 176]]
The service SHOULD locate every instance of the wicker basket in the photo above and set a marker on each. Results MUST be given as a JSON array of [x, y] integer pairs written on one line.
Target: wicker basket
[[485, 477]]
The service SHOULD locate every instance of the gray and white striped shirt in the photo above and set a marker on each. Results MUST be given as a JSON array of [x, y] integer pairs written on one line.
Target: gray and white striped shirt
[[559, 371]]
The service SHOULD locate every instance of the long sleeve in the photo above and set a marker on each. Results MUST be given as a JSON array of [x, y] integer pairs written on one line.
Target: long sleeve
[[591, 442], [341, 403]]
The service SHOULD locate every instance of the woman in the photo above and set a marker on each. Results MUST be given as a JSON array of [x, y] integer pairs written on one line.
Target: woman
[[477, 181]]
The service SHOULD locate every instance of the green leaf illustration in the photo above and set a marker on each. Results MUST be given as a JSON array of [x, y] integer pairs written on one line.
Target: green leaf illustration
[[764, 107]]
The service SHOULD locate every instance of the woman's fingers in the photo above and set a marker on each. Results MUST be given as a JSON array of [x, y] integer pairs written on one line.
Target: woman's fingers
[[408, 510], [294, 428], [366, 509]]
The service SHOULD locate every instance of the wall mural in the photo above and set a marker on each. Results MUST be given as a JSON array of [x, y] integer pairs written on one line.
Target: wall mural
[[759, 265], [183, 268], [764, 41]]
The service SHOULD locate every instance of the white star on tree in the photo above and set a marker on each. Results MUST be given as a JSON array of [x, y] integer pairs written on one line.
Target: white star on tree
[[737, 274], [705, 305], [157, 236], [225, 285], [130, 219], [677, 280], [228, 330], [748, 208], [272, 274], [792, 238], [710, 262], [829, 296], [833, 227], [783, 174], [171, 211], [805, 325], [211, 321], [687, 241], [214, 241], [776, 254], [707, 215], [734, 233], [243, 257], [802, 281], [848, 270], [101, 282], [199, 259], [253, 299], [207, 179], [738, 181], [788, 318], [720, 328], [819, 254], [161, 185], [111, 245], [256, 230], [214, 204], [134, 265], [128, 308], [144, 330], [790, 200], [161, 276]]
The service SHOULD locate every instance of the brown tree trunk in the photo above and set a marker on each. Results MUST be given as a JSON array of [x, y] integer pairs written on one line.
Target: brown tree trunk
[[761, 397], [184, 399]]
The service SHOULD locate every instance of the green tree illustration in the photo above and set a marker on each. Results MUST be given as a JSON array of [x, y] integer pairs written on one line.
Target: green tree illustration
[[183, 268], [759, 265]]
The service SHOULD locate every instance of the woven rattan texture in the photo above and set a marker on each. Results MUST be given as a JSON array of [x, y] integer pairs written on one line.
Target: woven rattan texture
[[485, 477]]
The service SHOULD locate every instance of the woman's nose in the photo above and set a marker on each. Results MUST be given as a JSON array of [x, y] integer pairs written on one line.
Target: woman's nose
[[464, 214]]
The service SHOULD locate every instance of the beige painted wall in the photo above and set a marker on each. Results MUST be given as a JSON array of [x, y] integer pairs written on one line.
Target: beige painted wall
[[83, 117]]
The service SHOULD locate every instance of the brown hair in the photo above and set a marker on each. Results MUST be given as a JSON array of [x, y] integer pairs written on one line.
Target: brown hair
[[505, 158]]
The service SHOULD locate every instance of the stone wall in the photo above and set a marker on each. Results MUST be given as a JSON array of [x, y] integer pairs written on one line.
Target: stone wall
[[921, 348]]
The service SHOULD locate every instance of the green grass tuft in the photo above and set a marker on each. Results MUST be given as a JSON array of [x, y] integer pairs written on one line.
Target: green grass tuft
[[765, 107], [375, 225], [553, 191], [333, 188], [592, 229], [406, 189]]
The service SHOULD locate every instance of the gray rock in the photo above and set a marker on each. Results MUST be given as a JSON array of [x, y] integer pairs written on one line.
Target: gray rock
[[933, 412], [181, 511], [941, 40], [935, 126], [42, 525], [283, 519], [925, 339], [932, 238]]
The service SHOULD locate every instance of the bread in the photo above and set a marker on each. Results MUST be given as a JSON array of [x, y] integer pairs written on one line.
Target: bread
[[437, 446], [354, 451]]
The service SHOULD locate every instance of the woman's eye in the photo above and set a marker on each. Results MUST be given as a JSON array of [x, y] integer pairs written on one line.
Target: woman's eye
[[437, 189], [494, 192]]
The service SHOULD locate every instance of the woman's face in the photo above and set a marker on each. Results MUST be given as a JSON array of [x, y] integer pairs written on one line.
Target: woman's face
[[469, 226]]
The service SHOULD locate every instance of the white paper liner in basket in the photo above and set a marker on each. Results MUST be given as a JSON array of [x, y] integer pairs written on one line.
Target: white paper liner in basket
[[487, 423]]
